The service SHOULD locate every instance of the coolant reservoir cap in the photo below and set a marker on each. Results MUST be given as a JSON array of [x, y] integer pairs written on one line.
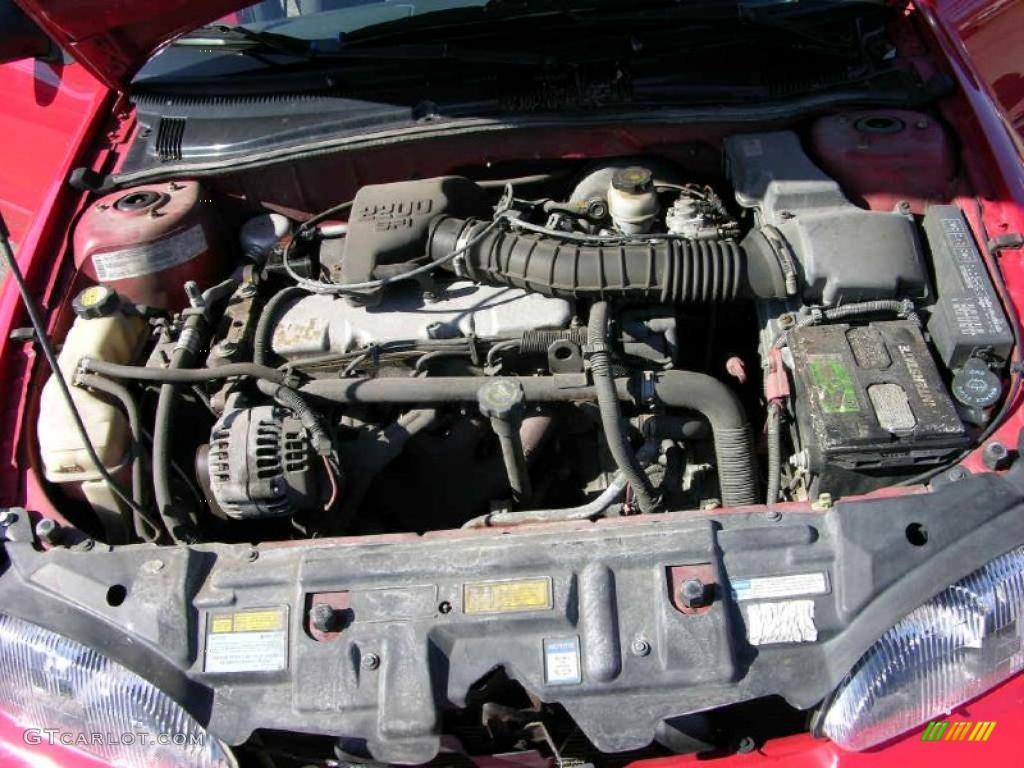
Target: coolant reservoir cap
[[976, 386], [95, 301], [633, 180]]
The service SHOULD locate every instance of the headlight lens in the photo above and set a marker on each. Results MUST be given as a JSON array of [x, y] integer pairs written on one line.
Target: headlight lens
[[75, 696], [961, 643]]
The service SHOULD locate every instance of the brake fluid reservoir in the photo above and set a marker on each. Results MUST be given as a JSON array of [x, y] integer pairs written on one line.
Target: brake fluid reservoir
[[632, 200], [147, 242], [103, 332]]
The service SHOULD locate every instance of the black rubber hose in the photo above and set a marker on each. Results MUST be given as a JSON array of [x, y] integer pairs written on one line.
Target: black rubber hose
[[145, 528], [192, 339], [272, 312], [661, 268], [676, 389], [179, 375], [614, 425]]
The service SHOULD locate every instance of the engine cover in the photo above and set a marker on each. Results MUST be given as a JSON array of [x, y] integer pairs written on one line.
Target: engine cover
[[320, 324]]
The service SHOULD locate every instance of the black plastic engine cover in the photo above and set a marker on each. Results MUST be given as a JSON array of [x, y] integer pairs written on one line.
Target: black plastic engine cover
[[869, 398], [389, 222]]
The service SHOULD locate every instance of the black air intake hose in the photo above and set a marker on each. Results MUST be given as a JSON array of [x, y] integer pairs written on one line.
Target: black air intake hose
[[661, 269]]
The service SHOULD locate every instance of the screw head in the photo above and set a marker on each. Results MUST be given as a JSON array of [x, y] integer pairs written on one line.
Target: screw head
[[956, 474], [772, 514], [995, 456], [370, 661], [746, 745], [640, 647], [693, 593], [252, 556]]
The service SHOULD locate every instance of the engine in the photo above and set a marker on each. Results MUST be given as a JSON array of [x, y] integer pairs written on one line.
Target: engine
[[442, 353]]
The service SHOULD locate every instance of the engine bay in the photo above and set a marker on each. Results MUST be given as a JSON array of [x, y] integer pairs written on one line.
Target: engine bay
[[620, 336]]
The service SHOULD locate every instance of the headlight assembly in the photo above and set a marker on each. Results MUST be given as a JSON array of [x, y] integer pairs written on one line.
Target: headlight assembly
[[69, 694], [961, 643]]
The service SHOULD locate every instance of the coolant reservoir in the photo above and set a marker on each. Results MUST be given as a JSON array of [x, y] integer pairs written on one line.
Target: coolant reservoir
[[103, 332]]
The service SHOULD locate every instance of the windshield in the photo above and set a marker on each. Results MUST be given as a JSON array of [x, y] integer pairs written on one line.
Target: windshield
[[319, 19]]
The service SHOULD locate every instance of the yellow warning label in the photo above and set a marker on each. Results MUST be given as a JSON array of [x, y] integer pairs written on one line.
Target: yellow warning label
[[269, 620], [507, 596]]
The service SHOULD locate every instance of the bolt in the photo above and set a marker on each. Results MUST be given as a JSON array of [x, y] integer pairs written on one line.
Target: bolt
[[370, 661], [693, 593], [246, 290], [903, 207], [787, 320], [640, 647], [772, 514], [956, 474], [252, 556], [823, 504], [323, 618], [48, 531], [995, 456], [444, 608], [153, 566], [746, 745], [8, 517]]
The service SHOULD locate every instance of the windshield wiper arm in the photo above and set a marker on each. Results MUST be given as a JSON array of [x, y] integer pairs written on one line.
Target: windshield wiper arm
[[241, 38]]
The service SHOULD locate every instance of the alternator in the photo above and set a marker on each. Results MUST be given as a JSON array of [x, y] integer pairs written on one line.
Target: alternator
[[261, 464]]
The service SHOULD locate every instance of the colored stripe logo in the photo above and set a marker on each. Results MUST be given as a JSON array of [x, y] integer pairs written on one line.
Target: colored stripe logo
[[943, 730]]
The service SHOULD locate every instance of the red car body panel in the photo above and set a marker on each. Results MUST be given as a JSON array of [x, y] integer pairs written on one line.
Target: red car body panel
[[113, 38], [62, 112]]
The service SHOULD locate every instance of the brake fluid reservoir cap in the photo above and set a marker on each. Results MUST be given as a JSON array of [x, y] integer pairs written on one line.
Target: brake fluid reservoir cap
[[976, 386], [95, 301], [633, 180]]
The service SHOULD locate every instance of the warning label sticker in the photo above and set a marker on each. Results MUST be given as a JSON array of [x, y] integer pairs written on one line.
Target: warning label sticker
[[562, 661], [777, 587], [137, 261], [507, 596], [791, 621], [247, 641]]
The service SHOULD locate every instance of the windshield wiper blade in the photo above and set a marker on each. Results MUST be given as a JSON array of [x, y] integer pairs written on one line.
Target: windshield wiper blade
[[236, 37]]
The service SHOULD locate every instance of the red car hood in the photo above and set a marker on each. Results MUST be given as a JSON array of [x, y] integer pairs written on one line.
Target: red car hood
[[114, 38]]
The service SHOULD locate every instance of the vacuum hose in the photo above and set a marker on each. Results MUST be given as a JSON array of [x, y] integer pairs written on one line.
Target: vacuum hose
[[659, 268]]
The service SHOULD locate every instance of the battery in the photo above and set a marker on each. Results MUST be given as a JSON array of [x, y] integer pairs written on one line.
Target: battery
[[870, 398], [967, 316]]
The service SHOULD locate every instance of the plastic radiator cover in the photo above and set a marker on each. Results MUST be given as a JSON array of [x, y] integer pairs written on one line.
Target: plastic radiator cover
[[795, 603]]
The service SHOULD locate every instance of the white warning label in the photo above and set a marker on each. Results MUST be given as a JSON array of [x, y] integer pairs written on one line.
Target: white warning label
[[247, 641], [791, 621], [147, 259], [562, 661], [776, 587]]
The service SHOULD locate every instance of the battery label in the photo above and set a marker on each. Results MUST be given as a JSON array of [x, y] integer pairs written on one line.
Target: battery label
[[247, 641], [834, 385]]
